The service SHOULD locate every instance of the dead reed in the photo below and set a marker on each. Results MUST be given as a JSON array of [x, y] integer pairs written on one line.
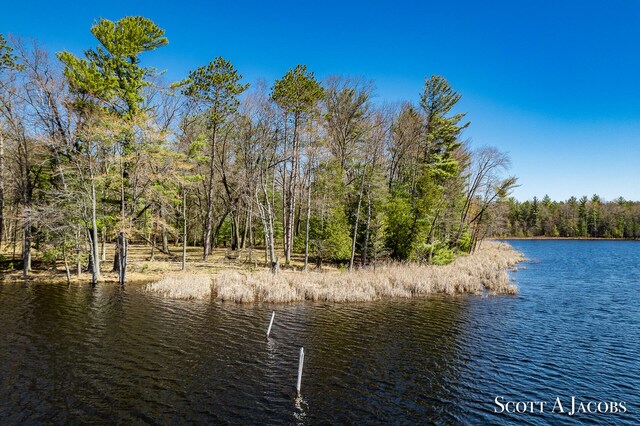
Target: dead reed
[[182, 286], [485, 270]]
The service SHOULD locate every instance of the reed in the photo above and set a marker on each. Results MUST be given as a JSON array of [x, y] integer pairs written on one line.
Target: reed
[[485, 270], [182, 286]]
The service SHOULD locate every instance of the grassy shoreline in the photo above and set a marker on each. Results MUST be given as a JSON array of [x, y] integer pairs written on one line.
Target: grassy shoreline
[[240, 281], [567, 238], [484, 271]]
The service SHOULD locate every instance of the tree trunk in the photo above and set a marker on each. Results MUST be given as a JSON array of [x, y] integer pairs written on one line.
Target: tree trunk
[[66, 263], [94, 248], [235, 232], [93, 260], [297, 215], [184, 229], [267, 219], [122, 197], [103, 257], [26, 248], [264, 234], [365, 248], [1, 190], [285, 193], [291, 201], [163, 228], [78, 258], [250, 226], [208, 227], [116, 260], [123, 251], [15, 239], [355, 227], [218, 227], [27, 197], [245, 231], [307, 227], [153, 241]]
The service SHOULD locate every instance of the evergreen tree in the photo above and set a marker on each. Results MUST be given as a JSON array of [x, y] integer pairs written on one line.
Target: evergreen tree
[[213, 90]]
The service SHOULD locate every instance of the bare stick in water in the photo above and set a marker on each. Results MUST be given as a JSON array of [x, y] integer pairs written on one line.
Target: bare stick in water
[[300, 370], [271, 323]]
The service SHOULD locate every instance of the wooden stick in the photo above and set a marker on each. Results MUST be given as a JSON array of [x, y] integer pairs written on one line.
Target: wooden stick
[[300, 363], [273, 314]]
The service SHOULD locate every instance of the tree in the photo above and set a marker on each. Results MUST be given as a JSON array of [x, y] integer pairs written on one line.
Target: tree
[[98, 146], [347, 107], [7, 62], [297, 94], [214, 90], [111, 79], [427, 158], [486, 186], [111, 74]]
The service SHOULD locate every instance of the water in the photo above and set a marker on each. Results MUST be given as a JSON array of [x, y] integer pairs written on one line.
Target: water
[[73, 355]]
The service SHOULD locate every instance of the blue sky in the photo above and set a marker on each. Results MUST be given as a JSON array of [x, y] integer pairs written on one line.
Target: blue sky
[[554, 83]]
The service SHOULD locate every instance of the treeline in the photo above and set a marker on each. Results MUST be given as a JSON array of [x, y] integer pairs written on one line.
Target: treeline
[[573, 218], [98, 146]]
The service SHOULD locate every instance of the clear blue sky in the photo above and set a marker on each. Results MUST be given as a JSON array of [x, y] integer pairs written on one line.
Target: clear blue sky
[[554, 83]]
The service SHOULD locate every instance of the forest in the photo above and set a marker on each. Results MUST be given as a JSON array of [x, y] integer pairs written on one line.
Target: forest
[[98, 149], [573, 218]]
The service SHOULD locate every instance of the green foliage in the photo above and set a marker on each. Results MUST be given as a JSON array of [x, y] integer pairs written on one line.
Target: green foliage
[[400, 227], [427, 180], [429, 193], [573, 218], [464, 242], [136, 158], [50, 254], [442, 131], [442, 256], [437, 253], [330, 235], [298, 91], [111, 73], [336, 241], [129, 37], [217, 86], [7, 59], [438, 97]]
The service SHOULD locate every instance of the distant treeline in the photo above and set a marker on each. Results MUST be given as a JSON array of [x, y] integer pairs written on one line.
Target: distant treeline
[[574, 218], [96, 147]]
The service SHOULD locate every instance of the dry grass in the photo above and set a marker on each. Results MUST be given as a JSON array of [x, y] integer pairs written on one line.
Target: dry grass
[[140, 269], [486, 270], [183, 286]]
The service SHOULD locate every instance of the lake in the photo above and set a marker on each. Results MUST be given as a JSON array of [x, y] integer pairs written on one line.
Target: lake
[[77, 355]]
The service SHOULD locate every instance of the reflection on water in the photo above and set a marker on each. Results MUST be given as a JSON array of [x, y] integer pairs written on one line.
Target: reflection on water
[[73, 354]]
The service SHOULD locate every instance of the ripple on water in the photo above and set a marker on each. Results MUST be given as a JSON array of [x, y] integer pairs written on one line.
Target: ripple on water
[[76, 355]]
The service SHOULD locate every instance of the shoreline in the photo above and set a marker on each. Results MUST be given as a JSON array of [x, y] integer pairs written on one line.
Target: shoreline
[[564, 238], [485, 271]]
